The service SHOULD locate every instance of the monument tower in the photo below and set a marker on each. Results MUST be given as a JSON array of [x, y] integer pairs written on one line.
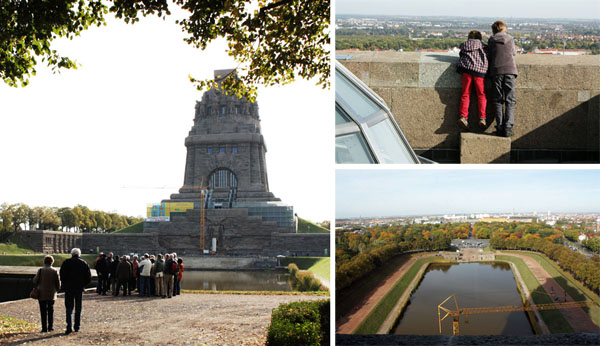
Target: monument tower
[[225, 203], [225, 152]]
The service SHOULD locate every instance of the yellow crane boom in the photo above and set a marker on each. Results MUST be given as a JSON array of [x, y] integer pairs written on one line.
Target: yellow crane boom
[[486, 310]]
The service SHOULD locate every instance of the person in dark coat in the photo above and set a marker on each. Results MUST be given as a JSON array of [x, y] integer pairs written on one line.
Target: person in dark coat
[[48, 283], [112, 272], [102, 272], [75, 274], [123, 274], [503, 72]]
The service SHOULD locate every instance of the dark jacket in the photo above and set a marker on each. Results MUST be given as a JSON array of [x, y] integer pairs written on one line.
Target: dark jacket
[[159, 266], [473, 58], [123, 272], [102, 266], [75, 274], [112, 268], [169, 266], [47, 282], [501, 54]]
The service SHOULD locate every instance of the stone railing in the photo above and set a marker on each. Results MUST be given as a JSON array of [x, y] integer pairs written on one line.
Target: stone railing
[[556, 118]]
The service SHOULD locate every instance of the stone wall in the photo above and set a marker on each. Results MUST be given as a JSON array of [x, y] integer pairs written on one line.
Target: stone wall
[[557, 113], [50, 241], [301, 244], [120, 243]]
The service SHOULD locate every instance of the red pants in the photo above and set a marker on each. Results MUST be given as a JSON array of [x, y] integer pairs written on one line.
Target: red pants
[[466, 95]]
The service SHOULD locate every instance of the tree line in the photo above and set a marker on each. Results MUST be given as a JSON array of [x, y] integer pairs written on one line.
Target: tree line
[[348, 39], [584, 269], [362, 251], [18, 217]]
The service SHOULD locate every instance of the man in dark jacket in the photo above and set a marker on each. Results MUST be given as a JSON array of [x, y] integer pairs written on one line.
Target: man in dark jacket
[[75, 274], [122, 274], [503, 70], [102, 272]]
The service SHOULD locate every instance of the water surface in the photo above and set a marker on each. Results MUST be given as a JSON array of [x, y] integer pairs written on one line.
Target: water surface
[[225, 280], [475, 285]]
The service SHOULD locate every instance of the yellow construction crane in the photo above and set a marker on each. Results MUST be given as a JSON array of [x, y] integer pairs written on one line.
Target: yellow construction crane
[[472, 311], [202, 217]]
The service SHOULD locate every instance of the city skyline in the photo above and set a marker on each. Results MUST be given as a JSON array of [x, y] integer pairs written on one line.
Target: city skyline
[[419, 192], [575, 9], [110, 135]]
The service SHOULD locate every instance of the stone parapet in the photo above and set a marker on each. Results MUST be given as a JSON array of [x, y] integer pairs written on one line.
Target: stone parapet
[[484, 148], [558, 99]]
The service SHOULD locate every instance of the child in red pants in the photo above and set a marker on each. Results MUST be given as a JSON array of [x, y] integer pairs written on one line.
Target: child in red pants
[[473, 65]]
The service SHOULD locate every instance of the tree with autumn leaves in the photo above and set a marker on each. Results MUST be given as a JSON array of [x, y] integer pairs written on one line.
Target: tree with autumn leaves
[[275, 41], [361, 251]]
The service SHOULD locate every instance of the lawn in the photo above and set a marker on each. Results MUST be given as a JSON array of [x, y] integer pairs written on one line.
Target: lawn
[[553, 318], [305, 226], [15, 245], [38, 260], [573, 287], [318, 265], [371, 324]]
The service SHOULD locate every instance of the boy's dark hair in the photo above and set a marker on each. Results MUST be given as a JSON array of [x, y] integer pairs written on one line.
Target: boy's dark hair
[[474, 34], [180, 260], [498, 26]]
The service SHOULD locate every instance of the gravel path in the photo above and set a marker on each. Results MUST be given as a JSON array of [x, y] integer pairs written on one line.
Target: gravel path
[[187, 319]]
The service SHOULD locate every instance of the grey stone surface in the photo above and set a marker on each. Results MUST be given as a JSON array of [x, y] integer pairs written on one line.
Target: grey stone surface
[[484, 148], [557, 99], [51, 241]]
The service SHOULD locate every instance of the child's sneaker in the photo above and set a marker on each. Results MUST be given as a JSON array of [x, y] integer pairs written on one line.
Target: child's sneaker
[[482, 122], [463, 123], [508, 132]]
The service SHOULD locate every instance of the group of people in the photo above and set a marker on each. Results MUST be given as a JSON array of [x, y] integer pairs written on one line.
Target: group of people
[[152, 276], [496, 60]]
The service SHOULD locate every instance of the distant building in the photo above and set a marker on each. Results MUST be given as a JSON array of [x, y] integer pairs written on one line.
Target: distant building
[[555, 51]]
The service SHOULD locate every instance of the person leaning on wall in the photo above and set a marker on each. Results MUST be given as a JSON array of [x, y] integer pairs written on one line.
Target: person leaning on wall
[[48, 283]]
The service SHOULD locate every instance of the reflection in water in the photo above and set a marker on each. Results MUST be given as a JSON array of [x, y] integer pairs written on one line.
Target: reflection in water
[[224, 280], [475, 285]]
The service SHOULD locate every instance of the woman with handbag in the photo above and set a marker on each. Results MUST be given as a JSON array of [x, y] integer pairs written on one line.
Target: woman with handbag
[[47, 283]]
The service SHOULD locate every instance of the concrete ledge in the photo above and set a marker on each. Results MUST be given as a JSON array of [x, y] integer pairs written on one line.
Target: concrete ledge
[[558, 100], [484, 148]]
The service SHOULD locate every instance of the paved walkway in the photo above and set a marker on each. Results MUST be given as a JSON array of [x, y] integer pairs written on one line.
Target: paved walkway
[[577, 318]]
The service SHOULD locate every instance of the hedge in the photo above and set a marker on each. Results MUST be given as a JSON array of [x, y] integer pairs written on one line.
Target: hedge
[[300, 323]]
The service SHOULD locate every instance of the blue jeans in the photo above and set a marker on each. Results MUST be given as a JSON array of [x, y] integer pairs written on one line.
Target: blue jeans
[[73, 298], [144, 286], [503, 94]]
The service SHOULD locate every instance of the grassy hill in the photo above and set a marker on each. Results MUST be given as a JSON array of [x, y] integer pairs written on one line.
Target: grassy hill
[[317, 265], [135, 228], [14, 245], [305, 226]]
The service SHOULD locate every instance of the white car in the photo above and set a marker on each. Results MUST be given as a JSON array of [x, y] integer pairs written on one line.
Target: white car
[[365, 129]]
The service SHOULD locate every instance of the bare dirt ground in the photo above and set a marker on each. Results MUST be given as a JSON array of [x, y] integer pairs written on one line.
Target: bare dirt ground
[[187, 319], [577, 318], [348, 323]]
